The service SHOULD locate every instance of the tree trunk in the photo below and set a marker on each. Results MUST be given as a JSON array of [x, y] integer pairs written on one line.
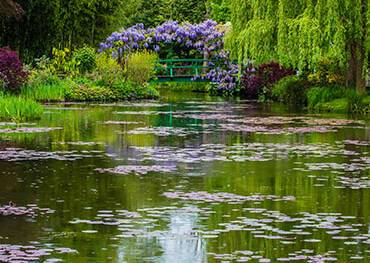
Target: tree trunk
[[356, 77]]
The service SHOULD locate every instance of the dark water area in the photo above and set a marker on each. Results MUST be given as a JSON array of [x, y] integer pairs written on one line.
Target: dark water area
[[188, 178]]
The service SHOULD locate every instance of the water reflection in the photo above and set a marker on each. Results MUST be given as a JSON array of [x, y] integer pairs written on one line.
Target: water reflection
[[327, 173], [180, 244]]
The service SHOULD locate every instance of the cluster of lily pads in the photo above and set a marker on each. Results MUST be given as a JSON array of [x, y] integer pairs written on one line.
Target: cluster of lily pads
[[138, 169], [220, 197], [29, 130], [238, 152], [247, 216], [31, 253], [31, 210], [19, 154]]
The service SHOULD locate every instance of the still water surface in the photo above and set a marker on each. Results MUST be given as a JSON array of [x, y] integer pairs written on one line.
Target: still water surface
[[189, 178]]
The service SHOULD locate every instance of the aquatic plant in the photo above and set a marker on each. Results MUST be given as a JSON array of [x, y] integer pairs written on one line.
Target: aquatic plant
[[18, 109], [30, 210], [137, 169], [43, 86], [31, 253]]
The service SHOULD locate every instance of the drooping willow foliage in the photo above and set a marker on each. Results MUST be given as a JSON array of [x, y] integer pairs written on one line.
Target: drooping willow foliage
[[300, 33]]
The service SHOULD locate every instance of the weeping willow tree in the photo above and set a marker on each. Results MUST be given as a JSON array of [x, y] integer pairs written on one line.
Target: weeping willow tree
[[300, 33]]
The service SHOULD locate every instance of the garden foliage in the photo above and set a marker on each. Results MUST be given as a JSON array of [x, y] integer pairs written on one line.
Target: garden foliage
[[12, 72], [86, 59], [140, 67], [300, 34], [257, 81]]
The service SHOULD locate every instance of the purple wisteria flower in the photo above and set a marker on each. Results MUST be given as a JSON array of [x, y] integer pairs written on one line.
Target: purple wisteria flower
[[192, 40]]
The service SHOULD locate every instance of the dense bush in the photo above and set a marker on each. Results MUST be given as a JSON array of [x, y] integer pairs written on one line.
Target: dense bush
[[63, 64], [131, 90], [86, 90], [258, 81], [12, 73], [327, 73], [107, 70], [140, 67], [18, 109], [86, 59], [317, 95], [291, 90], [337, 99]]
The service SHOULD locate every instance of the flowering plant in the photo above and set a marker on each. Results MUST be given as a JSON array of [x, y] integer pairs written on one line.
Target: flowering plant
[[172, 39]]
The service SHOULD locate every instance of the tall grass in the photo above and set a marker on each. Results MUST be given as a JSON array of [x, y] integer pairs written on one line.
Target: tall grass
[[337, 99], [13, 108], [318, 95]]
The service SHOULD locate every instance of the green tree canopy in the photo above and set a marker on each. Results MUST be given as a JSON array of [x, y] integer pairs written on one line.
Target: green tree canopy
[[301, 33], [54, 23]]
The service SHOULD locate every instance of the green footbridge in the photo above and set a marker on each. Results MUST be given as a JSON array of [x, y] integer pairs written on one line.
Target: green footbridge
[[180, 70]]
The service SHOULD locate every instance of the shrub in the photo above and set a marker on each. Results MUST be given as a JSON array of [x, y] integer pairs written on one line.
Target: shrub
[[140, 66], [85, 90], [337, 99], [327, 73], [63, 64], [108, 70], [133, 90], [186, 86], [317, 95], [355, 102], [86, 59], [291, 90], [42, 86], [14, 108], [12, 72], [258, 81]]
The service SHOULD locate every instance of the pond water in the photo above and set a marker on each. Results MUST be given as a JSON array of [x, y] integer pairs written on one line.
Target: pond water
[[189, 178]]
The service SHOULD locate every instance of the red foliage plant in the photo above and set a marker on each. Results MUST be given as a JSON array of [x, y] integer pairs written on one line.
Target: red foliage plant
[[254, 79], [11, 70]]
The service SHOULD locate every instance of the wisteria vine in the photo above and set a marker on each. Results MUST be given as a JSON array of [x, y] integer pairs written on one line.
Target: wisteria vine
[[186, 40]]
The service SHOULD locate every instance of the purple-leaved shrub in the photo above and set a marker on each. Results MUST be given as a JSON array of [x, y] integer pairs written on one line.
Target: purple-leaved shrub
[[12, 71]]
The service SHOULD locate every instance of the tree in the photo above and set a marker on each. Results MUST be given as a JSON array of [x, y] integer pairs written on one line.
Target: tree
[[56, 23], [153, 13], [301, 33], [9, 8]]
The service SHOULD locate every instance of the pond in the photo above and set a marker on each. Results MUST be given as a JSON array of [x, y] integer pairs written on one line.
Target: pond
[[188, 178]]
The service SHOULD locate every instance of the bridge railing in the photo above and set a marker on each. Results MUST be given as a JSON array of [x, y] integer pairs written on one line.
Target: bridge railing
[[180, 69]]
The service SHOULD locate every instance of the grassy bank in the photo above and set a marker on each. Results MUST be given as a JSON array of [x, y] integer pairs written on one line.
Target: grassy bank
[[344, 105], [84, 89], [294, 90]]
